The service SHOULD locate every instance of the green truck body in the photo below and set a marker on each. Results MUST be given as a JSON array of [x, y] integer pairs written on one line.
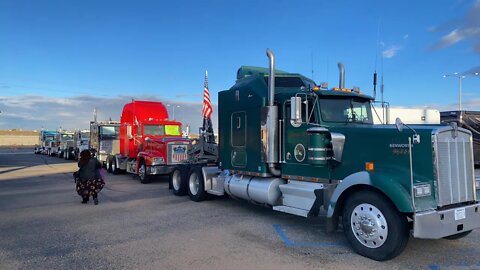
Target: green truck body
[[307, 151]]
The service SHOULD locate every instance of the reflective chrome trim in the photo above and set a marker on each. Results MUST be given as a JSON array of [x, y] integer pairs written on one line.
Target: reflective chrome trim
[[438, 224]]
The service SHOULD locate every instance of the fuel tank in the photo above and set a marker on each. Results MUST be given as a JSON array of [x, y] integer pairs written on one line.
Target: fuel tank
[[257, 189]]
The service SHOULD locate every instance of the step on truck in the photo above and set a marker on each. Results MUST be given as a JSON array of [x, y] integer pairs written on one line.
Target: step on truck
[[308, 151], [150, 143]]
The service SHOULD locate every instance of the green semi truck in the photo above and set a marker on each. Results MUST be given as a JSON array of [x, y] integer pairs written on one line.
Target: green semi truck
[[307, 151]]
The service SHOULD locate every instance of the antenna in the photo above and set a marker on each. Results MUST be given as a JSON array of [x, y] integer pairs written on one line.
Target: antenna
[[311, 62], [376, 60]]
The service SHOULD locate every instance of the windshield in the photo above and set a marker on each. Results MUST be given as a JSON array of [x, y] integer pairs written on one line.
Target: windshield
[[346, 110], [67, 137], [160, 130], [109, 131]]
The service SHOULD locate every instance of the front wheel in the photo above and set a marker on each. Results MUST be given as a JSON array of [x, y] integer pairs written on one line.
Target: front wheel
[[196, 189], [142, 173], [374, 227]]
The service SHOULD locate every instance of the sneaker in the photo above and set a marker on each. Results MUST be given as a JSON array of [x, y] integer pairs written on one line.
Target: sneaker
[[85, 201]]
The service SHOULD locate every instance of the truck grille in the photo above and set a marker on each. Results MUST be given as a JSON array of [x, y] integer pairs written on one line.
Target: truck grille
[[176, 153], [454, 166]]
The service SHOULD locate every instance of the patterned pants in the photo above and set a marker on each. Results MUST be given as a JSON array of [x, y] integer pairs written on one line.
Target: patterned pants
[[89, 188]]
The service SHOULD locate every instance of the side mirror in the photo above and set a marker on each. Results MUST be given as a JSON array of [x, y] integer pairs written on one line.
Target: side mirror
[[296, 109], [147, 139], [399, 124]]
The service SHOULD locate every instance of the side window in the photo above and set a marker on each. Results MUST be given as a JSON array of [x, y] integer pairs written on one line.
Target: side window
[[238, 129]]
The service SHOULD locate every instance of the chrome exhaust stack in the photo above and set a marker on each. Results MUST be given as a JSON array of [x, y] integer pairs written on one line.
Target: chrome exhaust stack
[[341, 83], [270, 120]]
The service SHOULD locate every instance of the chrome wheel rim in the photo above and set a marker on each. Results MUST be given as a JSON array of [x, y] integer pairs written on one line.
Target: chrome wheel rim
[[176, 180], [194, 183], [141, 172], [369, 225], [114, 166]]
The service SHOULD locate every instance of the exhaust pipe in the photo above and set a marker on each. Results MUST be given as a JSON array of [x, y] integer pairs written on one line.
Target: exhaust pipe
[[341, 68], [272, 119], [271, 77]]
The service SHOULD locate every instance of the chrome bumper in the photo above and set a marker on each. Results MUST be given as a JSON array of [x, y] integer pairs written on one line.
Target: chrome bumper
[[159, 169], [438, 224]]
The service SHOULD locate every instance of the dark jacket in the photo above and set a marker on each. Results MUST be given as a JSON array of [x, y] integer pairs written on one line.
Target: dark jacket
[[89, 171]]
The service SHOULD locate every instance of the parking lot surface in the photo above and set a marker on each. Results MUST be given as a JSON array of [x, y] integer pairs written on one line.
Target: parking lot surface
[[43, 225]]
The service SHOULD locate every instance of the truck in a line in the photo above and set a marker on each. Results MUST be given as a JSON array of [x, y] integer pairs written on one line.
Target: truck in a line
[[308, 151], [66, 145], [104, 139], [81, 142], [150, 143], [46, 140]]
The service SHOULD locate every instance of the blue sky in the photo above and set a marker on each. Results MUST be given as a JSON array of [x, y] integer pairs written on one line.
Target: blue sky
[[60, 52]]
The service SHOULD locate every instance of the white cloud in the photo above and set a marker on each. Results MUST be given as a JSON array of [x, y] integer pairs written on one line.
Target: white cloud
[[34, 112], [391, 51], [466, 29]]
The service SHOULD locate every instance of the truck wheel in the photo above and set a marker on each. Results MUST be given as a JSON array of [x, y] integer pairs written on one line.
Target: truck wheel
[[458, 235], [373, 226], [142, 173], [196, 189], [114, 167], [179, 180]]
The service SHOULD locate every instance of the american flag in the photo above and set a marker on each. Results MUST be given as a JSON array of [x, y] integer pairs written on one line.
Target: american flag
[[207, 105]]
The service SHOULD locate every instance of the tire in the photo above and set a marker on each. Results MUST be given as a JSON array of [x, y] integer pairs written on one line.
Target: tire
[[195, 187], [178, 179], [368, 212], [114, 169], [142, 173], [458, 235], [109, 164]]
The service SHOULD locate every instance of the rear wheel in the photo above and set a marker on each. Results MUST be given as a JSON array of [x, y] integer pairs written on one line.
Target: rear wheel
[[142, 173], [114, 167], [374, 227], [196, 189], [179, 180]]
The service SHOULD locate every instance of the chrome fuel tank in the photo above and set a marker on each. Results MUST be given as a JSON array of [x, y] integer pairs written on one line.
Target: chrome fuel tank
[[257, 189]]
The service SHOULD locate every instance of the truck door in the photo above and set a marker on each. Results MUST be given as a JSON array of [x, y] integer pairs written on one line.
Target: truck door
[[296, 140]]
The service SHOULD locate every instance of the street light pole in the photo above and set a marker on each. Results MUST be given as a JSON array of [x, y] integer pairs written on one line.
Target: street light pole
[[460, 79]]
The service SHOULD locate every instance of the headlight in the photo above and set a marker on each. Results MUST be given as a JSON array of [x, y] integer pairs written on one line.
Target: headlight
[[422, 190], [158, 161]]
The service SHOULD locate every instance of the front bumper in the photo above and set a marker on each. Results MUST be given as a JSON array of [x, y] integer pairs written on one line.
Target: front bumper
[[159, 169], [438, 224]]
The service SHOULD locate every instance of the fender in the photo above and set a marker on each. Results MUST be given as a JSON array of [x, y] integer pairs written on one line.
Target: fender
[[387, 184]]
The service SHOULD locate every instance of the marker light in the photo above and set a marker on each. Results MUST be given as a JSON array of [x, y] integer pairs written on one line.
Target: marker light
[[422, 190], [369, 167]]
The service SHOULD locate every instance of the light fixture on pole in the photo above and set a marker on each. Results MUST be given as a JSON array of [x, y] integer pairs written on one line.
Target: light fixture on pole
[[460, 79]]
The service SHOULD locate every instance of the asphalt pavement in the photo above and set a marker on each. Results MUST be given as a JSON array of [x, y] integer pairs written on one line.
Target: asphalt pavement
[[43, 225]]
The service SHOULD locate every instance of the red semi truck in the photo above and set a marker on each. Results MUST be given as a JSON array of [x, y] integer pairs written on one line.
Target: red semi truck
[[150, 143]]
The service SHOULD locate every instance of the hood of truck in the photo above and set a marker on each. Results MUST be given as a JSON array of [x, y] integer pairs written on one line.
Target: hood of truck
[[388, 150]]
